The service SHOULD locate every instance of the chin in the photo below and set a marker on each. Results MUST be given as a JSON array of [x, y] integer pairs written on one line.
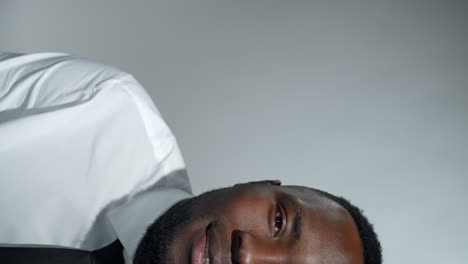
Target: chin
[[171, 238], [160, 240]]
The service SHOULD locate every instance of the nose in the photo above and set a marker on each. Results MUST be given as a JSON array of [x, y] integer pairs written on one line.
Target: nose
[[248, 249]]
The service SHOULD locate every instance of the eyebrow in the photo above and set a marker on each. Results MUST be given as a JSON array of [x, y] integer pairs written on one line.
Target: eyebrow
[[298, 223]]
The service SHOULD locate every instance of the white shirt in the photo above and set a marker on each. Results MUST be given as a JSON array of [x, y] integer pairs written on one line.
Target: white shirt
[[85, 156]]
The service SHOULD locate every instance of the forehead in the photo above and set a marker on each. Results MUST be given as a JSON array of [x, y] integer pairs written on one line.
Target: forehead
[[329, 234]]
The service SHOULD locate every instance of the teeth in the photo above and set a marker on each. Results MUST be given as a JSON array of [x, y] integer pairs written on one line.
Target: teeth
[[206, 249], [206, 259], [278, 214]]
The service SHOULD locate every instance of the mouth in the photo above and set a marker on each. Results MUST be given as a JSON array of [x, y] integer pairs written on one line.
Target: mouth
[[206, 253], [201, 249], [214, 238]]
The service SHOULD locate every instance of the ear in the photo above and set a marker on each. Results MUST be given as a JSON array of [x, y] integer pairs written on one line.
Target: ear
[[272, 182]]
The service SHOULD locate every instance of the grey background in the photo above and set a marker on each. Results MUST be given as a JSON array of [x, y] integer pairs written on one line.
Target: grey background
[[366, 99]]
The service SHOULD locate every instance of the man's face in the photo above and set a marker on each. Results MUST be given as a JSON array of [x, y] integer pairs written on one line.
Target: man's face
[[260, 223]]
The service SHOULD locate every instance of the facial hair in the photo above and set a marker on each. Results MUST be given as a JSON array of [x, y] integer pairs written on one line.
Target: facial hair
[[156, 243], [160, 234]]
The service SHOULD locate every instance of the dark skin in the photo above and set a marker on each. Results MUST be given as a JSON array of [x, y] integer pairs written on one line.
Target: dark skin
[[264, 222]]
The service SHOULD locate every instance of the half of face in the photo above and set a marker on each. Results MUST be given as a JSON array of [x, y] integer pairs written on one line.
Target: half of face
[[265, 223]]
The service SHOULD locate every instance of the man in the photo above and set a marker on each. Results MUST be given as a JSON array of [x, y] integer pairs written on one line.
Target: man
[[261, 222], [87, 164]]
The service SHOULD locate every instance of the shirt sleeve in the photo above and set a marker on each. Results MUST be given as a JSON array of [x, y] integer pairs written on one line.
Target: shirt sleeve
[[77, 140]]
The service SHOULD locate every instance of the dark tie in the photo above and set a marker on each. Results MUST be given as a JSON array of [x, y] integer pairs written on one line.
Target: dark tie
[[32, 255]]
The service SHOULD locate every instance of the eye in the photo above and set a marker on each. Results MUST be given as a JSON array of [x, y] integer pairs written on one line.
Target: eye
[[278, 221]]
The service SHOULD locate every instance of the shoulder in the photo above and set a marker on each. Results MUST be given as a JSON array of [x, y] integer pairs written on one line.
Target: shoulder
[[51, 79]]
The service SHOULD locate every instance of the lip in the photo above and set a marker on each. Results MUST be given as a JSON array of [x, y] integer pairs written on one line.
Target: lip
[[198, 250]]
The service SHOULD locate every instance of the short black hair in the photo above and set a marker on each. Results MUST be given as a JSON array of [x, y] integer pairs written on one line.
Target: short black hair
[[370, 242]]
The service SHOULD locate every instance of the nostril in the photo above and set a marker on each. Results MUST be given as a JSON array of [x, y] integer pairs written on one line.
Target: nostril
[[236, 240], [236, 244]]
